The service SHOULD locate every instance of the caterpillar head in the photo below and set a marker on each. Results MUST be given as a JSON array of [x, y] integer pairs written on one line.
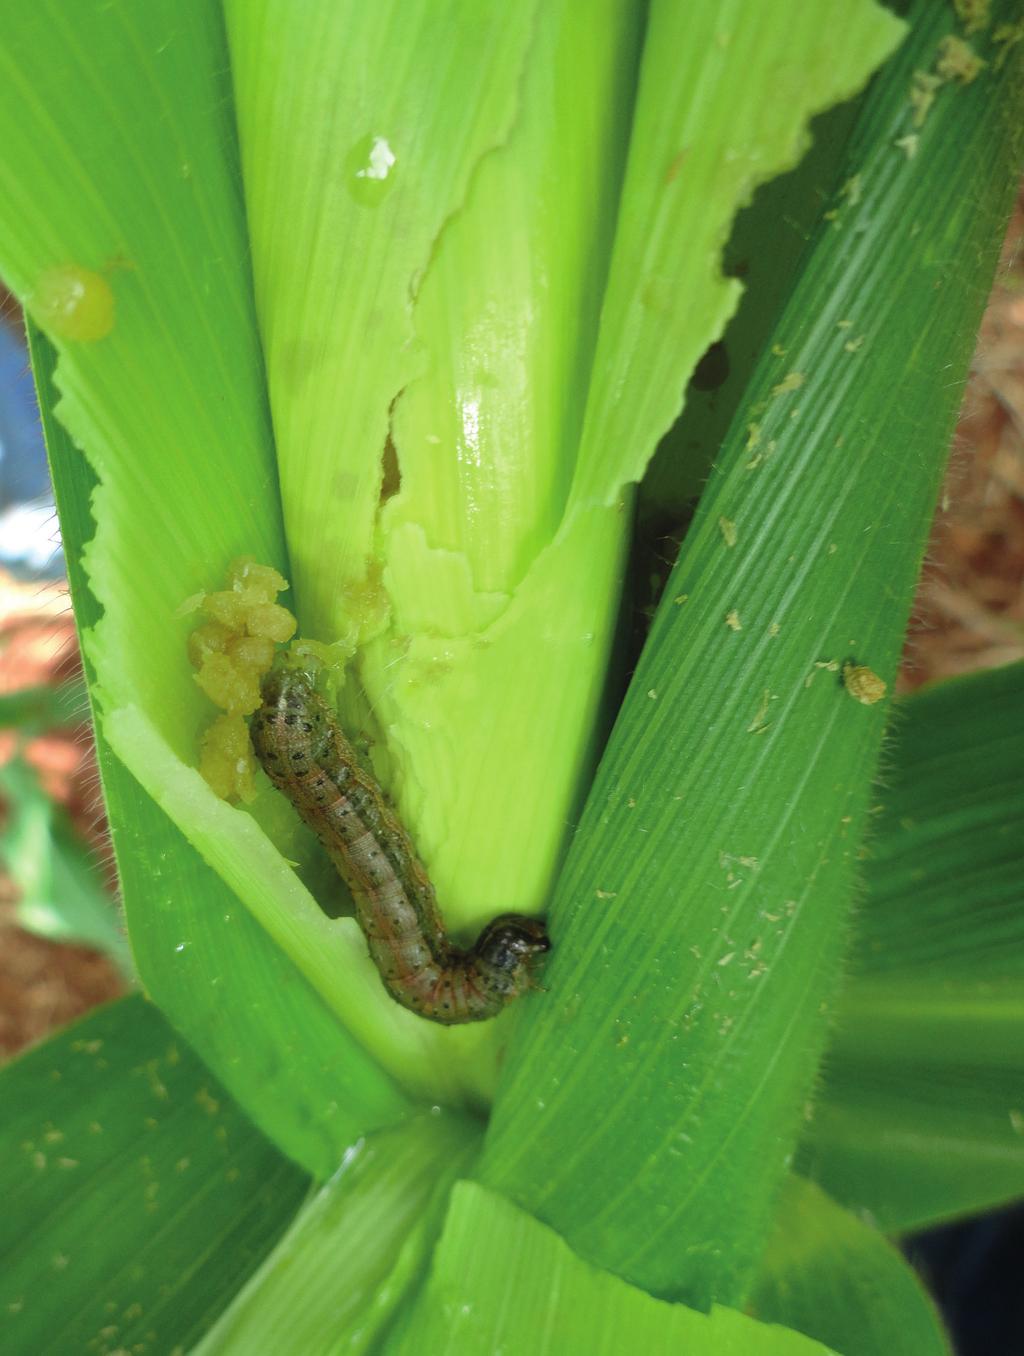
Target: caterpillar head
[[287, 687], [291, 727], [508, 948]]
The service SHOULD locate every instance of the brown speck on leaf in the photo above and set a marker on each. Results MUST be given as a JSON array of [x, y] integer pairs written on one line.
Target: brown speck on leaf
[[676, 164]]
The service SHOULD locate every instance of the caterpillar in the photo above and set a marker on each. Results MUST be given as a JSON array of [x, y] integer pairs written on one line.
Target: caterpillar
[[305, 754]]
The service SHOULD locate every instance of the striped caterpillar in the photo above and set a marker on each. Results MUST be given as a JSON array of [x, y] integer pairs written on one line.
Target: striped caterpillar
[[305, 754]]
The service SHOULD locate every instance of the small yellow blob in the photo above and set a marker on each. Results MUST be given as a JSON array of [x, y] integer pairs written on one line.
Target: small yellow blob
[[366, 602], [272, 621], [923, 85], [792, 381], [255, 652], [229, 685], [957, 60], [229, 609], [863, 684], [208, 638], [231, 651], [226, 759], [70, 302], [262, 582], [908, 144], [973, 14]]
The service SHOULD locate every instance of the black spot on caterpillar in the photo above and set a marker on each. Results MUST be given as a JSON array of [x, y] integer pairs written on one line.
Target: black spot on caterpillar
[[305, 754]]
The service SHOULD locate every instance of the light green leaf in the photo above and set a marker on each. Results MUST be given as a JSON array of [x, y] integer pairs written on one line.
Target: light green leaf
[[833, 1277], [360, 129], [117, 157], [337, 1277], [784, 212], [725, 94], [256, 1021], [501, 1281], [137, 1196], [488, 675], [487, 603], [921, 1115], [651, 1102]]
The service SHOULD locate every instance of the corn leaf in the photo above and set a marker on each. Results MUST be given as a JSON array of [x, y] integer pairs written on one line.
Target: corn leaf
[[137, 1195], [501, 613], [481, 600], [921, 1116], [339, 1274], [206, 961], [501, 1281], [650, 1104], [831, 1276], [119, 165]]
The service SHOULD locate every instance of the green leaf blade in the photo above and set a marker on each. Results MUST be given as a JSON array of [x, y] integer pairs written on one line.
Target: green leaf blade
[[501, 1281], [833, 1277], [699, 923], [337, 1277], [359, 131], [170, 398], [723, 104], [209, 964], [137, 1195], [60, 893], [488, 675], [920, 1116]]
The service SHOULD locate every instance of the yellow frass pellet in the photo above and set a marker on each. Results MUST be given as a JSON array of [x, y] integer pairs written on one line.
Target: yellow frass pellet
[[228, 685], [270, 620], [261, 582], [226, 759], [231, 651], [253, 653], [208, 638], [228, 607]]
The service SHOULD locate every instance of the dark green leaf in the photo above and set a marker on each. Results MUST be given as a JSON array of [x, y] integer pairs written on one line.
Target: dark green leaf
[[921, 1114], [833, 1277], [650, 1107], [137, 1195]]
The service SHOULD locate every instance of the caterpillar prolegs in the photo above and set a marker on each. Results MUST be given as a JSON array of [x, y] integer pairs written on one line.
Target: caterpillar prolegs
[[305, 754]]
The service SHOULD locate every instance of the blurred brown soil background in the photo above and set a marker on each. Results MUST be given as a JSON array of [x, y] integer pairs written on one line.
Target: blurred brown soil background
[[969, 614], [969, 610], [44, 984]]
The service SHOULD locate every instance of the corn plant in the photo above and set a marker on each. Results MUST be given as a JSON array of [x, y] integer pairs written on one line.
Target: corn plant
[[402, 300]]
